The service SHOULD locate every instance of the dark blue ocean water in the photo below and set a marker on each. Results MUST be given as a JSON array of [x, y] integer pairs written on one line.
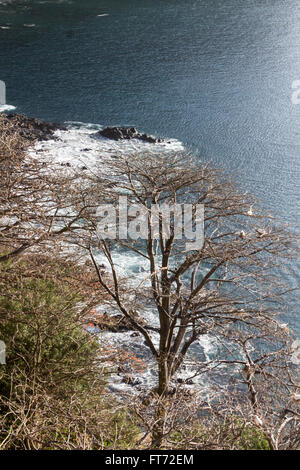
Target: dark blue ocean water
[[215, 74]]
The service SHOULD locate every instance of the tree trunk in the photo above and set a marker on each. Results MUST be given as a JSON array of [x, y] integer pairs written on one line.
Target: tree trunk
[[161, 406]]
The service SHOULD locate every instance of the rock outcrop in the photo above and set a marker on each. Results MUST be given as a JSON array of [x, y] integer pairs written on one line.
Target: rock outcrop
[[28, 129], [126, 133]]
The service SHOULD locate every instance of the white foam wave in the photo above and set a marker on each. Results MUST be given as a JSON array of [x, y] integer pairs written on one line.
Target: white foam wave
[[6, 107], [146, 379], [78, 147]]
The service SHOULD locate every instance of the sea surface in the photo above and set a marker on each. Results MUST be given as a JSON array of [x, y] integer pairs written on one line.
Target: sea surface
[[213, 76]]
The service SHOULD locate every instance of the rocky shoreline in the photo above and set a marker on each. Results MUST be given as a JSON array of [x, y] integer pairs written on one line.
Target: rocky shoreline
[[28, 129]]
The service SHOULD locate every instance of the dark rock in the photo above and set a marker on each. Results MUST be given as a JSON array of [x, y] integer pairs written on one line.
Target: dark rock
[[130, 380], [183, 381], [119, 133], [134, 334], [180, 393], [31, 129], [121, 369], [126, 133], [149, 139], [116, 323], [102, 268]]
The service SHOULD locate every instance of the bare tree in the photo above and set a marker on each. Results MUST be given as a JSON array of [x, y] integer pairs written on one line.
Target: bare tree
[[232, 288], [39, 203]]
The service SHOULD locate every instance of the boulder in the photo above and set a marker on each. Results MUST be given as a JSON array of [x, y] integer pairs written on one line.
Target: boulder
[[126, 133]]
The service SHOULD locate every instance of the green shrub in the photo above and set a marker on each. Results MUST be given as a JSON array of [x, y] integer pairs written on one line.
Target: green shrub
[[52, 388]]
